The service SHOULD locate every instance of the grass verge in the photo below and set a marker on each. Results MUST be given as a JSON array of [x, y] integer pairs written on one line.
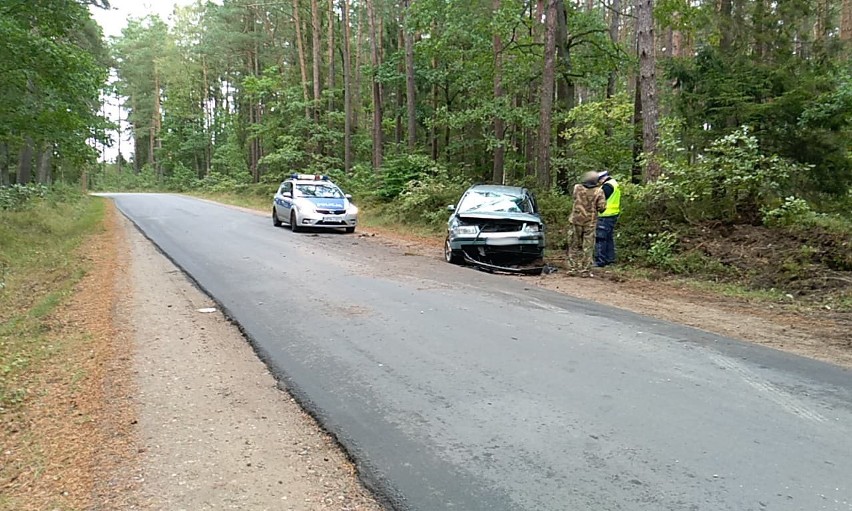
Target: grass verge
[[42, 261]]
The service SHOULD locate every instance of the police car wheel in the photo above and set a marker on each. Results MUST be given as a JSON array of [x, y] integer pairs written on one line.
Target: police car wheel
[[275, 221], [293, 225], [350, 230]]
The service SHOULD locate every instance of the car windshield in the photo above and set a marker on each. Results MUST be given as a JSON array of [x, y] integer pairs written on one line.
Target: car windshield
[[319, 190], [494, 202]]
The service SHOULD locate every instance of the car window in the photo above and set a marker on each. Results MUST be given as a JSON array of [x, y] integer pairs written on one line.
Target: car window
[[286, 188], [482, 201], [320, 190]]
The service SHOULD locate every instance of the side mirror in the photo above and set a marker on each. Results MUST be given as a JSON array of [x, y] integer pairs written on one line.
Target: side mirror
[[451, 207], [348, 196]]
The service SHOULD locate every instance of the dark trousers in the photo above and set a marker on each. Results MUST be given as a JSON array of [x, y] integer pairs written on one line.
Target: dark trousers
[[605, 240]]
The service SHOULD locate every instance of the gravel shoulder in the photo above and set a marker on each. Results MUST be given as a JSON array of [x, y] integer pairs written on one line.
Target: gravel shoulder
[[212, 428]]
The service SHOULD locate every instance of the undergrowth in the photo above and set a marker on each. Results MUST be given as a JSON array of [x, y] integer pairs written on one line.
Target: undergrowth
[[39, 265]]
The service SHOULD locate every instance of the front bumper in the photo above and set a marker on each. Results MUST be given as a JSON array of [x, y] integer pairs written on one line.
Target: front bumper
[[501, 248], [329, 221]]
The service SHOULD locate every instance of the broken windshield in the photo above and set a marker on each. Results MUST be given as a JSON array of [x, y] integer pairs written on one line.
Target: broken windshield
[[494, 202]]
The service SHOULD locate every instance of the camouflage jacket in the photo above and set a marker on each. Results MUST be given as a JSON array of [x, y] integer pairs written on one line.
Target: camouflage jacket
[[588, 202]]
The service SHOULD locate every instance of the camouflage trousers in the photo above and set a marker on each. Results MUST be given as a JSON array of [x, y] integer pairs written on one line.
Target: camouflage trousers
[[581, 248]]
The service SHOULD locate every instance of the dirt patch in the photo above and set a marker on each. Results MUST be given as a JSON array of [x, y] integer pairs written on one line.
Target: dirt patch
[[215, 431], [813, 264]]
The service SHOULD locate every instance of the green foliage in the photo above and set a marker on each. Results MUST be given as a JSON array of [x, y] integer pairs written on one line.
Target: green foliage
[[18, 197], [731, 182], [181, 179], [424, 201], [600, 136], [791, 212], [403, 171], [111, 180], [661, 251]]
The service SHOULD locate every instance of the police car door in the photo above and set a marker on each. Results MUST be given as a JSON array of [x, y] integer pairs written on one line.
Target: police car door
[[286, 202]]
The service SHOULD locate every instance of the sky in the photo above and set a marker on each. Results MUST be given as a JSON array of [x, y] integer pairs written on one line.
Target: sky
[[115, 19]]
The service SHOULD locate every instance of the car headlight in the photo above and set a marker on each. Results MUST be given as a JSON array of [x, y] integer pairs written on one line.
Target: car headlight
[[532, 228], [466, 230], [352, 210]]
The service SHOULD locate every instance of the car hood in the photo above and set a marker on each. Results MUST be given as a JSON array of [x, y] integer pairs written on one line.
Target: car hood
[[322, 203], [502, 215]]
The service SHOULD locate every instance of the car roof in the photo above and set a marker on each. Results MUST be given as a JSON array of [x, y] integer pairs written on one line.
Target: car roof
[[514, 190]]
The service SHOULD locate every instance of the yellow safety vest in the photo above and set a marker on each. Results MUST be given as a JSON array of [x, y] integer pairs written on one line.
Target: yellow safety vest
[[613, 203]]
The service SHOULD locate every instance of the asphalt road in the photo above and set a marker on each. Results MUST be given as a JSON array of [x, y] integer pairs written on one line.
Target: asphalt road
[[455, 389]]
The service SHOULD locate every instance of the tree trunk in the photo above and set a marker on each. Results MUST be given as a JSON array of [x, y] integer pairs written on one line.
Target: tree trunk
[[300, 46], [648, 85], [566, 89], [25, 162], [315, 51], [410, 89], [347, 90], [547, 83], [636, 169], [377, 87], [44, 161], [726, 24], [846, 20], [497, 173], [4, 164], [433, 135], [614, 26], [356, 76], [208, 143], [330, 40], [155, 124], [400, 90]]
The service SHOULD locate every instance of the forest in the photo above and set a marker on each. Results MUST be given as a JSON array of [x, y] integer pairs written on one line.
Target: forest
[[715, 114]]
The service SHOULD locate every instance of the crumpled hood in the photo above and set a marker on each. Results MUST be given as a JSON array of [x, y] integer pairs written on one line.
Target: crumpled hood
[[520, 217], [322, 203]]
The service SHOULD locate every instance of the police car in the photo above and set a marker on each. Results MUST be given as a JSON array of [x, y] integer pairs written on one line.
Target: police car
[[313, 201]]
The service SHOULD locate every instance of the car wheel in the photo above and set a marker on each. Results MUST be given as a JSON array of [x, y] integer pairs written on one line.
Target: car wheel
[[350, 230], [293, 225], [450, 255], [275, 221]]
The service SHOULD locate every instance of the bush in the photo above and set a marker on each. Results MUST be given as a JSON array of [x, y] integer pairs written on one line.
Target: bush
[[18, 197], [732, 182], [793, 211], [424, 201], [181, 179]]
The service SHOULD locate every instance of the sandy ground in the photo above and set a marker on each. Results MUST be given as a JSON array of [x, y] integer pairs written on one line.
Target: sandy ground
[[213, 430]]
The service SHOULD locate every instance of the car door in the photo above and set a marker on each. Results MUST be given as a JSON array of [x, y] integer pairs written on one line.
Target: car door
[[285, 204]]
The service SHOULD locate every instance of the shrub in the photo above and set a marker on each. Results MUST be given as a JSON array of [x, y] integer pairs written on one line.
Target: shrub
[[18, 197], [793, 211], [731, 182], [424, 201]]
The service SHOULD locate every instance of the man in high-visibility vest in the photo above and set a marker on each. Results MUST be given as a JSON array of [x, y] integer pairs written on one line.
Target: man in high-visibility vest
[[605, 231]]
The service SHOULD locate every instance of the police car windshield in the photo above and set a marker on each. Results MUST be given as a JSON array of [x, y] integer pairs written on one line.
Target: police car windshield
[[494, 202], [319, 191]]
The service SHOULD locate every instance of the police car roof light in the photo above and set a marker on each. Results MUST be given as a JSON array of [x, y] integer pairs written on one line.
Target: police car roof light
[[309, 177]]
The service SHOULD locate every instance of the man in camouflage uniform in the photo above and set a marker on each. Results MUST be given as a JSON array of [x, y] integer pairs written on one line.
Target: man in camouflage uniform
[[589, 200]]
